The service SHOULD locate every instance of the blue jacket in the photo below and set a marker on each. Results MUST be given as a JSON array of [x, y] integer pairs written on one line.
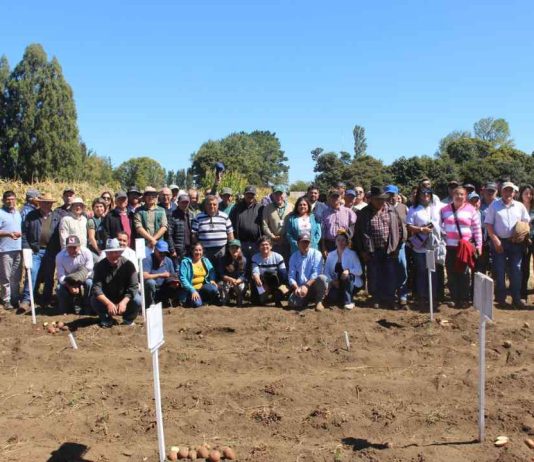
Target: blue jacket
[[292, 232], [186, 273]]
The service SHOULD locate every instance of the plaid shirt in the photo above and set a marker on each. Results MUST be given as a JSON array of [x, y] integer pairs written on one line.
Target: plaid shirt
[[379, 227]]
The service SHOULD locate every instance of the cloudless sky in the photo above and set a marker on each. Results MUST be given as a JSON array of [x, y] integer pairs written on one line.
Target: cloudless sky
[[159, 78]]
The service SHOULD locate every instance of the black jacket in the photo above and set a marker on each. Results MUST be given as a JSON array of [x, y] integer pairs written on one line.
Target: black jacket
[[179, 232], [112, 225], [246, 221]]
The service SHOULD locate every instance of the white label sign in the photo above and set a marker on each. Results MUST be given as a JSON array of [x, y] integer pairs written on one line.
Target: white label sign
[[430, 260], [140, 251], [154, 321], [27, 256], [483, 295]]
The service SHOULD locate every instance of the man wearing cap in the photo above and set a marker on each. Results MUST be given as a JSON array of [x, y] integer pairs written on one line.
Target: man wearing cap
[[165, 201], [161, 280], [307, 283], [194, 206], [501, 218], [175, 190], [273, 220], [226, 205], [115, 287], [75, 223], [246, 223], [31, 203], [335, 218], [68, 195], [318, 207], [378, 236], [74, 265], [348, 199], [213, 229], [134, 200], [451, 186], [10, 251], [31, 239], [150, 221], [180, 229], [119, 220]]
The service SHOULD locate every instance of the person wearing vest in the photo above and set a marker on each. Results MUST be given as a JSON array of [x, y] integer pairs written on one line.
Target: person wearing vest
[[150, 221]]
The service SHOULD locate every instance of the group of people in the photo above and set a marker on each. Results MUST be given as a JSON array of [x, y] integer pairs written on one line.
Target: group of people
[[218, 250]]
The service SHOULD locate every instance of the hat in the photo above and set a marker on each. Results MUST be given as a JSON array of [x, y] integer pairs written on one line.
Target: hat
[[121, 195], [250, 189], [219, 166], [45, 198], [350, 192], [134, 189], [391, 189], [279, 188], [162, 246], [509, 184], [112, 245], [453, 183], [184, 197], [227, 191], [378, 192], [77, 200], [469, 186], [69, 189], [150, 190], [491, 186], [32, 194], [334, 192], [234, 242], [174, 186], [304, 237], [72, 241], [473, 195]]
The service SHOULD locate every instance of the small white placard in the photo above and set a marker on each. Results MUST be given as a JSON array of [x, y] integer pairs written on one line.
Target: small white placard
[[483, 295], [140, 250], [27, 256], [430, 260], [154, 321]]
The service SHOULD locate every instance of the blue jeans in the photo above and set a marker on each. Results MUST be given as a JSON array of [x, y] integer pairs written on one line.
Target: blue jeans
[[383, 275], [509, 261], [132, 309], [421, 277], [341, 294], [403, 273], [37, 258], [66, 300], [209, 294]]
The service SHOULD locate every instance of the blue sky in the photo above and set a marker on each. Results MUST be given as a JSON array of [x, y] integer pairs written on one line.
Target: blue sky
[[159, 78]]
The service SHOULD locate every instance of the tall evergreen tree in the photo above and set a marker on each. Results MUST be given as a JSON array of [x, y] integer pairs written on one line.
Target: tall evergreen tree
[[42, 132], [4, 78]]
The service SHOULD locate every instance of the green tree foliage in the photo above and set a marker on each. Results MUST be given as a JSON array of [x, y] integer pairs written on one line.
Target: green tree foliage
[[494, 131], [4, 78], [467, 149], [299, 186], [41, 132], [360, 141], [184, 179], [257, 156], [96, 169], [452, 136], [141, 172], [231, 179]]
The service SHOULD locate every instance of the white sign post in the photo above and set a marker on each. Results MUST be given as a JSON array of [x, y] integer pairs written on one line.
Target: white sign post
[[140, 253], [154, 332], [431, 267], [483, 301], [27, 256]]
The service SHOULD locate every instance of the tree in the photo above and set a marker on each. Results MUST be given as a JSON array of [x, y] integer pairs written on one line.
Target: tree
[[184, 179], [141, 172], [257, 156], [96, 169], [467, 149], [4, 78], [360, 141], [494, 131], [299, 185], [452, 136], [41, 128]]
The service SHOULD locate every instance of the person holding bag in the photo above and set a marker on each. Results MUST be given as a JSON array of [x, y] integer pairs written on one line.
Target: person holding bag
[[460, 222]]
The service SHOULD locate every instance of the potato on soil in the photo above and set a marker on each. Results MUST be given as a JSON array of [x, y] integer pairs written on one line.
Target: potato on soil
[[215, 456], [183, 453], [203, 452], [228, 453], [192, 454], [173, 455]]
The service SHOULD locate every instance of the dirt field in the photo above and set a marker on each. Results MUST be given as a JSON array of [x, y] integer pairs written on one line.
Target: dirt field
[[275, 385]]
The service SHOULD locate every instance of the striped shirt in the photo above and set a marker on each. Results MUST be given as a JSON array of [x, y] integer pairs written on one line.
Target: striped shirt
[[272, 264], [469, 222], [212, 231]]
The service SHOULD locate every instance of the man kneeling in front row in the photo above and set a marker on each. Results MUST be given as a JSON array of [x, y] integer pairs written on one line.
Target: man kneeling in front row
[[115, 287]]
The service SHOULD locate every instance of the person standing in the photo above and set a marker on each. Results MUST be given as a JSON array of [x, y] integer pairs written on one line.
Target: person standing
[[180, 230], [317, 207], [501, 219], [150, 221], [273, 218], [335, 218], [31, 203], [359, 201], [118, 220], [526, 195], [300, 221], [134, 200], [95, 233], [460, 221], [226, 204], [10, 251], [74, 223]]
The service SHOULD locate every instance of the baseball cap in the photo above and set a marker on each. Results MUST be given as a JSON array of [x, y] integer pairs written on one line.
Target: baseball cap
[[112, 245], [250, 189], [469, 186], [162, 246], [234, 242], [150, 190], [134, 189], [279, 188], [174, 186], [121, 195], [491, 186], [473, 195], [226, 191], [391, 189], [509, 184], [334, 192], [68, 190], [304, 237], [72, 241], [350, 192], [32, 194], [453, 183], [184, 197]]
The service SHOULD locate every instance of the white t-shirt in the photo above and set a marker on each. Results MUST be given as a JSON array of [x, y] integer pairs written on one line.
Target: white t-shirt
[[422, 216]]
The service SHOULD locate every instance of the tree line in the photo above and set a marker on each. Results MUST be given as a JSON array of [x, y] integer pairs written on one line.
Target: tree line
[[40, 140]]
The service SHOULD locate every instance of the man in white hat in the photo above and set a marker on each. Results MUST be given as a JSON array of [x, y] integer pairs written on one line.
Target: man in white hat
[[75, 223], [115, 287]]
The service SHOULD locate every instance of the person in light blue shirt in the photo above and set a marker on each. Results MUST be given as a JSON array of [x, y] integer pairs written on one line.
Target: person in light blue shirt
[[306, 282], [10, 251]]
